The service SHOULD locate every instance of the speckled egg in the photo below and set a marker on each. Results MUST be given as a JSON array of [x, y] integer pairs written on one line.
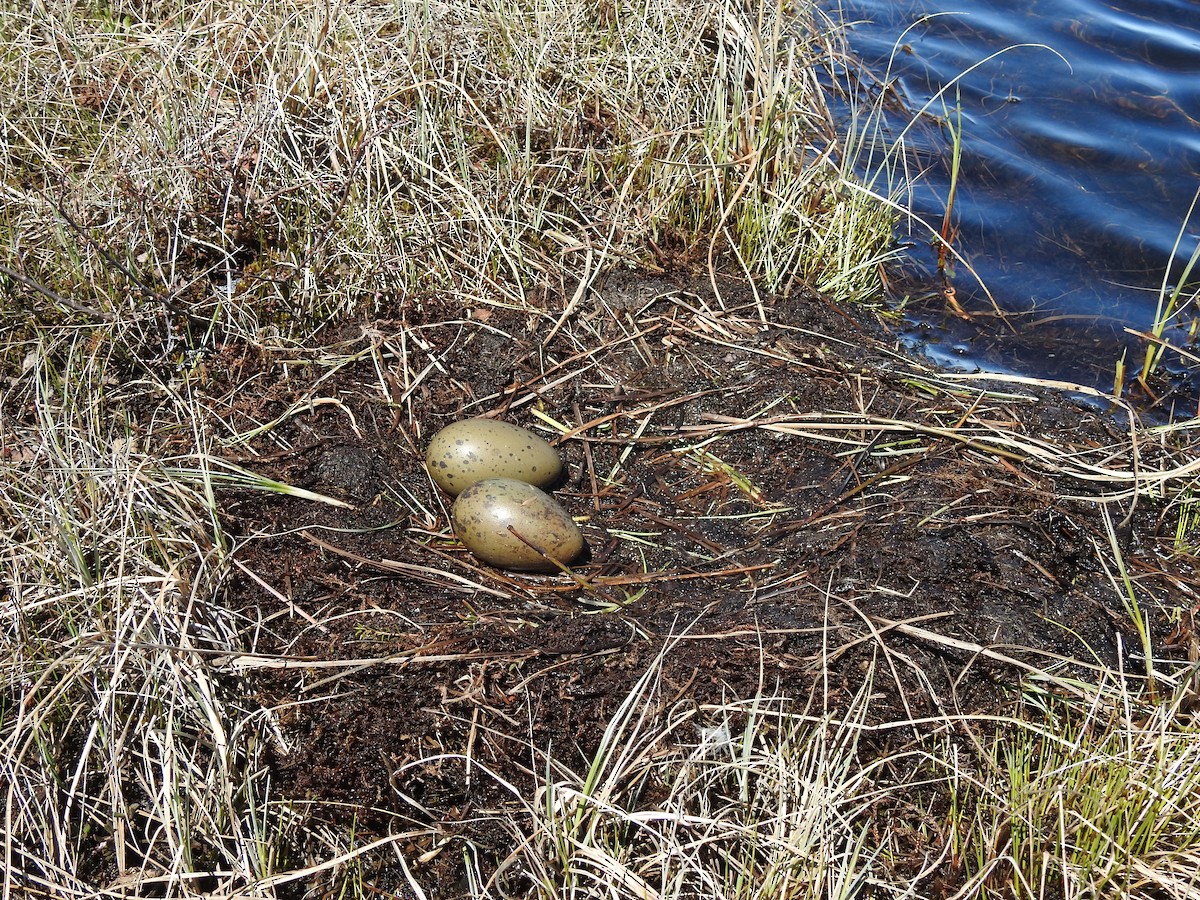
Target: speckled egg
[[474, 449], [487, 514]]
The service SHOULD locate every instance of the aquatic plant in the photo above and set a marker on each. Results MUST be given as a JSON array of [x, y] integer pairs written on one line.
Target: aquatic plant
[[1176, 292]]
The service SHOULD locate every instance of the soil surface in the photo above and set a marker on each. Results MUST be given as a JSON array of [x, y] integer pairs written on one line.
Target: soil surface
[[773, 504]]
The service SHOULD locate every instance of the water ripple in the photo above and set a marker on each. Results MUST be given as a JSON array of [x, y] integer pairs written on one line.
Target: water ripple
[[1076, 175]]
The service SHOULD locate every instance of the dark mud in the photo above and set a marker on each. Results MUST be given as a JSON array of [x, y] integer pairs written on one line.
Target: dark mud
[[786, 564]]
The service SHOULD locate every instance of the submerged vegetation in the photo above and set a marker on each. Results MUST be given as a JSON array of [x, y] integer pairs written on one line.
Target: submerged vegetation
[[208, 203]]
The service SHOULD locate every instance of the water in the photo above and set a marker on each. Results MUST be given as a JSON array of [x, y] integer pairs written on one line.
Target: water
[[1079, 166]]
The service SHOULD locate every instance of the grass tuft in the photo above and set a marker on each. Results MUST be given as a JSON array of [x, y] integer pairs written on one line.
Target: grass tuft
[[1071, 797], [114, 721], [260, 169]]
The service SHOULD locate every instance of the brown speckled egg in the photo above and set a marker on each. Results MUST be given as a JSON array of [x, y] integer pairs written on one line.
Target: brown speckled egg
[[484, 513], [474, 449]]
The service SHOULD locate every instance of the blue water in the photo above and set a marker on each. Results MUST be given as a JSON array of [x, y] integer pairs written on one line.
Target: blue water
[[1080, 160]]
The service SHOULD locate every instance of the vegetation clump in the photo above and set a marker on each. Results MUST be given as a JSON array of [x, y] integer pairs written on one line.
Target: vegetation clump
[[241, 167]]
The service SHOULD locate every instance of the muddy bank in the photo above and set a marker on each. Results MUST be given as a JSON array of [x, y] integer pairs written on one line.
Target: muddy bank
[[775, 502]]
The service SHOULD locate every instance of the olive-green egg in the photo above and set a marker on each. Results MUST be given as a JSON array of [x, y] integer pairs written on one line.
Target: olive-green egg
[[474, 449], [487, 514]]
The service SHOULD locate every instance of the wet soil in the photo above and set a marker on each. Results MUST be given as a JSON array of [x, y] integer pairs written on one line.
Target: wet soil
[[737, 542]]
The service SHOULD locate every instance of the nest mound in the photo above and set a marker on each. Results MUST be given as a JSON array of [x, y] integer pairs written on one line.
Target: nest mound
[[776, 503]]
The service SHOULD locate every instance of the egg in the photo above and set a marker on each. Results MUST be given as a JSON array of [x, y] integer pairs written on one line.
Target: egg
[[465, 452], [490, 514]]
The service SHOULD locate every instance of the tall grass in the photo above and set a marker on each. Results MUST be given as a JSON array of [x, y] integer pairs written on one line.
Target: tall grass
[[1177, 292], [242, 167], [112, 721], [1093, 795]]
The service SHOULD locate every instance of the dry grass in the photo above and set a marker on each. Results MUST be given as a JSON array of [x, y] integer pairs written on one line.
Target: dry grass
[[1090, 796], [223, 168], [113, 722]]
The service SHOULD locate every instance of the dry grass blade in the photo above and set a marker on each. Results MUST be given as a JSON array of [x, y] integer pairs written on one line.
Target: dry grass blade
[[975, 436], [116, 713]]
